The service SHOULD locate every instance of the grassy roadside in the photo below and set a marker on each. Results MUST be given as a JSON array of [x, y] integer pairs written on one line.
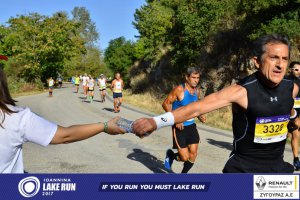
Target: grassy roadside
[[27, 93], [22, 88]]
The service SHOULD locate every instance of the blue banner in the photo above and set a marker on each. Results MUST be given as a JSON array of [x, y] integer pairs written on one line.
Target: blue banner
[[145, 186]]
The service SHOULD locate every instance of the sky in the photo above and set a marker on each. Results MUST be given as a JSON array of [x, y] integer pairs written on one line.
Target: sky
[[113, 18]]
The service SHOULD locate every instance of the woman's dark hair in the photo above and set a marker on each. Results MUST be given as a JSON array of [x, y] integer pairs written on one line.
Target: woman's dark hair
[[259, 45], [5, 97]]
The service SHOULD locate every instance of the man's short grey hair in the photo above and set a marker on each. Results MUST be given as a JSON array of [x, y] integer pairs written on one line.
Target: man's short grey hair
[[192, 70], [259, 45]]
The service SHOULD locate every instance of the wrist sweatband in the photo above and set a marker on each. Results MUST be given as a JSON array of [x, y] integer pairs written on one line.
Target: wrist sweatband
[[164, 120]]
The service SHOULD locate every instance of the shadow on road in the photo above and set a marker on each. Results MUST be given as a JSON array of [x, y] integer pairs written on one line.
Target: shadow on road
[[84, 99], [150, 161], [221, 144], [108, 109], [98, 101]]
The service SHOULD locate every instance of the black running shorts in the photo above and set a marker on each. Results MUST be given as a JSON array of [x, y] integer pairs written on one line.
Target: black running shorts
[[291, 127], [243, 164], [183, 138]]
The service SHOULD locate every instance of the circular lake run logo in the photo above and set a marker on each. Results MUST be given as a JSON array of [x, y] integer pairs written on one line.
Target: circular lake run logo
[[29, 187]]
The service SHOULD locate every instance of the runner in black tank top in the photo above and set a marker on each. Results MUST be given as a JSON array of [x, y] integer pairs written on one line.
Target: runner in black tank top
[[260, 131], [263, 103]]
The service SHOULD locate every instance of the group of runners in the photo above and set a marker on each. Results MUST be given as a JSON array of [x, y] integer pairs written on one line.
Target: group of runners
[[264, 106], [89, 83]]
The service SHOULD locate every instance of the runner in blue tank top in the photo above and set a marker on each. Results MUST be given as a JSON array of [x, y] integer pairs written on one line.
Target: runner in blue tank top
[[185, 135]]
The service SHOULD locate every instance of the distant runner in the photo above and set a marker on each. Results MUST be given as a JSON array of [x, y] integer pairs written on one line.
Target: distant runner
[[51, 83], [85, 80], [91, 88], [117, 88], [102, 87], [59, 79], [77, 82]]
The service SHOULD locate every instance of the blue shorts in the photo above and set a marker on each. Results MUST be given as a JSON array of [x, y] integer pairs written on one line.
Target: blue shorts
[[117, 95]]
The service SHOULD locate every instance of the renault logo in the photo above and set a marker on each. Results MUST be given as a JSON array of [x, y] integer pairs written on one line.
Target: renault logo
[[260, 183]]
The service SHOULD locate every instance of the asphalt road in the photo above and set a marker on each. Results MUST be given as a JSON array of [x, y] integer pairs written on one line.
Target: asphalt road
[[114, 154]]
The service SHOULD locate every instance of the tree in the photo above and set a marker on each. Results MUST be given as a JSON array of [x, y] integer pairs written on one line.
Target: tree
[[92, 61], [39, 45], [276, 16], [154, 22], [87, 27], [119, 56], [180, 27], [212, 34]]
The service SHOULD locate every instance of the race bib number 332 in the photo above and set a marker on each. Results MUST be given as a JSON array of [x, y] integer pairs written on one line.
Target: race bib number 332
[[271, 129]]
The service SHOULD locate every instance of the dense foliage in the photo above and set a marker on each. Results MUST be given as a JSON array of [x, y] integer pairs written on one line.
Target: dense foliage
[[119, 56], [174, 34], [193, 31], [41, 46]]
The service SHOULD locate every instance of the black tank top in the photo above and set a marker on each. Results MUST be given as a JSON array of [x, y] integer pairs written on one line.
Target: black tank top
[[260, 130]]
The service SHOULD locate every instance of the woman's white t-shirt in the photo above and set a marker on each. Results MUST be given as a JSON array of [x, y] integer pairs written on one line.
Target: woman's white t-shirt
[[18, 128]]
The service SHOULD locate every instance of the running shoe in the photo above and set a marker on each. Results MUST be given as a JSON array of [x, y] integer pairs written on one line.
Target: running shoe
[[297, 165], [169, 159]]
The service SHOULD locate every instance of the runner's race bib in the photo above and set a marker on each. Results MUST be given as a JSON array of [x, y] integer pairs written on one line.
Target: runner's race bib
[[297, 102], [91, 88], [271, 129]]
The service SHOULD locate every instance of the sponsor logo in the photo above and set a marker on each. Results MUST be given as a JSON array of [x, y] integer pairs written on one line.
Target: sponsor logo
[[29, 187], [276, 187], [163, 119], [260, 183], [263, 121], [273, 99]]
